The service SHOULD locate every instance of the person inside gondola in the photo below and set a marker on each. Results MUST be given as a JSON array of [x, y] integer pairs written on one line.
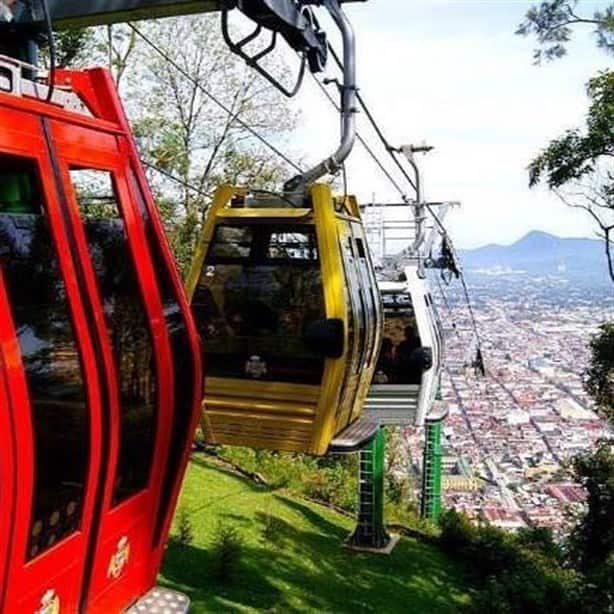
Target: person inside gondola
[[408, 355], [386, 369]]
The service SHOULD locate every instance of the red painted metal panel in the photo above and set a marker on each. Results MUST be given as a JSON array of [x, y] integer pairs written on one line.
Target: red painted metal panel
[[115, 556], [59, 569], [100, 81], [7, 465], [132, 521]]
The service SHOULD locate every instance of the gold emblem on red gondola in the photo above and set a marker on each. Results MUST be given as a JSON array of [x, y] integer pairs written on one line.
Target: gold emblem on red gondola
[[50, 603], [120, 559]]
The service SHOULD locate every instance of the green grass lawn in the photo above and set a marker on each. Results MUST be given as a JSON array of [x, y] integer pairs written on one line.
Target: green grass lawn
[[304, 567]]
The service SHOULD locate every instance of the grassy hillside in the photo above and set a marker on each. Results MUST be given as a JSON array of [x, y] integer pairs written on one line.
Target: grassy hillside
[[303, 567]]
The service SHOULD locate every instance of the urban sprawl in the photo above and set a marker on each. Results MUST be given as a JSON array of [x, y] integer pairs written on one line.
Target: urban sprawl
[[510, 436]]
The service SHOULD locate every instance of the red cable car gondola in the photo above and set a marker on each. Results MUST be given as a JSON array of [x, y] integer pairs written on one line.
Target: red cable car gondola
[[100, 375], [100, 372]]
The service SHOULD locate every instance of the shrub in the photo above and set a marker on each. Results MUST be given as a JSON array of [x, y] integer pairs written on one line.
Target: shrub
[[334, 484], [227, 551], [492, 551], [457, 532], [516, 573], [540, 539], [535, 584], [185, 533], [599, 592]]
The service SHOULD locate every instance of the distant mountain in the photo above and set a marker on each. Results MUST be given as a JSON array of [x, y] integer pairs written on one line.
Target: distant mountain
[[540, 253]]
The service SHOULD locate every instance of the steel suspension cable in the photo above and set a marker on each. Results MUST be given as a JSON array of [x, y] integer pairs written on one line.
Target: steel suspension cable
[[176, 179], [362, 141], [52, 49], [390, 150], [234, 117], [435, 217], [474, 323]]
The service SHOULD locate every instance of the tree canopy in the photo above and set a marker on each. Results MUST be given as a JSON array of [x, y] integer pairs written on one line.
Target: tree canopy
[[579, 165], [577, 153], [593, 539], [188, 143], [600, 381], [552, 23]]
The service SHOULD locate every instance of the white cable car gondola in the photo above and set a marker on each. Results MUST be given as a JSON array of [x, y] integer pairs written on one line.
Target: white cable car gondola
[[407, 373], [407, 376]]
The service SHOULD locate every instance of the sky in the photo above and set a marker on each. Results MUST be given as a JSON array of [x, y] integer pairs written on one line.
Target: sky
[[454, 74]]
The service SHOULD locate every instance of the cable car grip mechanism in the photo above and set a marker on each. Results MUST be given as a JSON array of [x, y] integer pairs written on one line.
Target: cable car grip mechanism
[[348, 88], [297, 26]]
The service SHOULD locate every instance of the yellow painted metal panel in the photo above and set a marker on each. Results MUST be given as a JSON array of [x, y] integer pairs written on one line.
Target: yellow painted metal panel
[[268, 390], [334, 299], [275, 407], [265, 214], [221, 199], [348, 383]]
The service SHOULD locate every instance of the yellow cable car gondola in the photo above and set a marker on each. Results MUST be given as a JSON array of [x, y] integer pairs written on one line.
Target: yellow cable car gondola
[[284, 293], [288, 309]]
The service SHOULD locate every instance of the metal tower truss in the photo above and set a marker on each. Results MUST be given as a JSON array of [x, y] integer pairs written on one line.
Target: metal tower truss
[[370, 533], [431, 469]]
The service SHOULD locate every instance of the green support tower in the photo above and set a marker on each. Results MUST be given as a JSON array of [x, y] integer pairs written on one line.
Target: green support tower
[[371, 532], [431, 469]]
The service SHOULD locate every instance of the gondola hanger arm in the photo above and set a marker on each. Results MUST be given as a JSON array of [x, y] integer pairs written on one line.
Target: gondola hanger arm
[[347, 108]]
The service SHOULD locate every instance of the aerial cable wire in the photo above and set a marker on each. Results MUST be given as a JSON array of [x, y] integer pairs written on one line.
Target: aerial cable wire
[[234, 117], [363, 142], [472, 314], [199, 191], [176, 179], [375, 125], [438, 222], [387, 146], [448, 307]]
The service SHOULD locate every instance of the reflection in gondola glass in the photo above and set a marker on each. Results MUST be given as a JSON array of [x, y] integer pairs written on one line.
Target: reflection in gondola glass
[[183, 358], [255, 298], [127, 325], [46, 337]]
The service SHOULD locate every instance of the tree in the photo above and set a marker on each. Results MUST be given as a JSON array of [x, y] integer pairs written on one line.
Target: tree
[[593, 539], [591, 544], [551, 22], [183, 131], [168, 94], [579, 166], [600, 382], [72, 45], [118, 45]]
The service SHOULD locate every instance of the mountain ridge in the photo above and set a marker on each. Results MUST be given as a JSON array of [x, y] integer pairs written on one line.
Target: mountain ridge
[[533, 236], [540, 253]]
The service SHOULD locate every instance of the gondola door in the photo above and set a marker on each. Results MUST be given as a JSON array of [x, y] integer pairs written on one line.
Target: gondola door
[[119, 273], [51, 402], [357, 324]]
